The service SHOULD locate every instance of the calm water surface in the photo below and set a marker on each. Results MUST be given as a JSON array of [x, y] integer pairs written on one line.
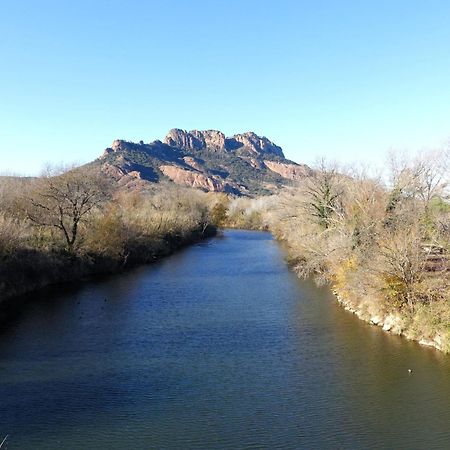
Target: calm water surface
[[217, 347]]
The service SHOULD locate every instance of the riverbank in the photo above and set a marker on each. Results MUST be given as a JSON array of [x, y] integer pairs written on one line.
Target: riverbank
[[28, 270], [387, 257], [428, 324], [418, 326], [392, 322]]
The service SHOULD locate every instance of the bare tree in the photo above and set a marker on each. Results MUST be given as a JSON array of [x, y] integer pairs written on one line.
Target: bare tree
[[423, 179], [64, 201], [403, 261], [433, 177]]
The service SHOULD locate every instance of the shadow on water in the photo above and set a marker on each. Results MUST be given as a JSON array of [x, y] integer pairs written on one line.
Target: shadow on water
[[51, 297], [218, 346]]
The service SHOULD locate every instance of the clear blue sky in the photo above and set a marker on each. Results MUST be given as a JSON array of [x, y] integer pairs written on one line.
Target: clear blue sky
[[345, 79]]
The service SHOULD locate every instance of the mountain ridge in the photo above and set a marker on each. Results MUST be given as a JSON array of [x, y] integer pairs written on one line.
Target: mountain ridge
[[243, 164]]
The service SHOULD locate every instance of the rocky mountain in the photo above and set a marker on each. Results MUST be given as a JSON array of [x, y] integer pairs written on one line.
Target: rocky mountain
[[246, 144], [244, 164]]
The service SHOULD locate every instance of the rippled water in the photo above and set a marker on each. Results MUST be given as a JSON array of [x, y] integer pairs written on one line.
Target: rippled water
[[217, 347]]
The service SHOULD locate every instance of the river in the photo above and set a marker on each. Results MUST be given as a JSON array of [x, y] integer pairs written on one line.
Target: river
[[219, 346]]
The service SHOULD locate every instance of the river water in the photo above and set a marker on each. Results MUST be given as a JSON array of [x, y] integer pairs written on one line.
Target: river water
[[217, 347]]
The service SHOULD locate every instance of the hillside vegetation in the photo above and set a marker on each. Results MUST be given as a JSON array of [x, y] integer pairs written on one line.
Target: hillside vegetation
[[68, 224], [383, 246]]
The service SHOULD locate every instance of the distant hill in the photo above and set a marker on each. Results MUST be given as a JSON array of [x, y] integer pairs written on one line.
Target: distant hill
[[244, 164]]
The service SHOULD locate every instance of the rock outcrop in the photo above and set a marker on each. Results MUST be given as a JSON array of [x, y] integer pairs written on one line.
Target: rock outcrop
[[118, 146], [125, 176], [293, 172], [214, 140], [255, 144], [244, 164], [196, 179], [196, 140], [194, 163]]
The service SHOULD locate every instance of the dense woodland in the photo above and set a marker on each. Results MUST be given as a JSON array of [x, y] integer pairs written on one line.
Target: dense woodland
[[383, 242], [70, 223]]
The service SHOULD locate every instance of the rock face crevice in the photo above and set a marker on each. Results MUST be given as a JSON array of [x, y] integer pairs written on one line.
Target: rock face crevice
[[243, 164]]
